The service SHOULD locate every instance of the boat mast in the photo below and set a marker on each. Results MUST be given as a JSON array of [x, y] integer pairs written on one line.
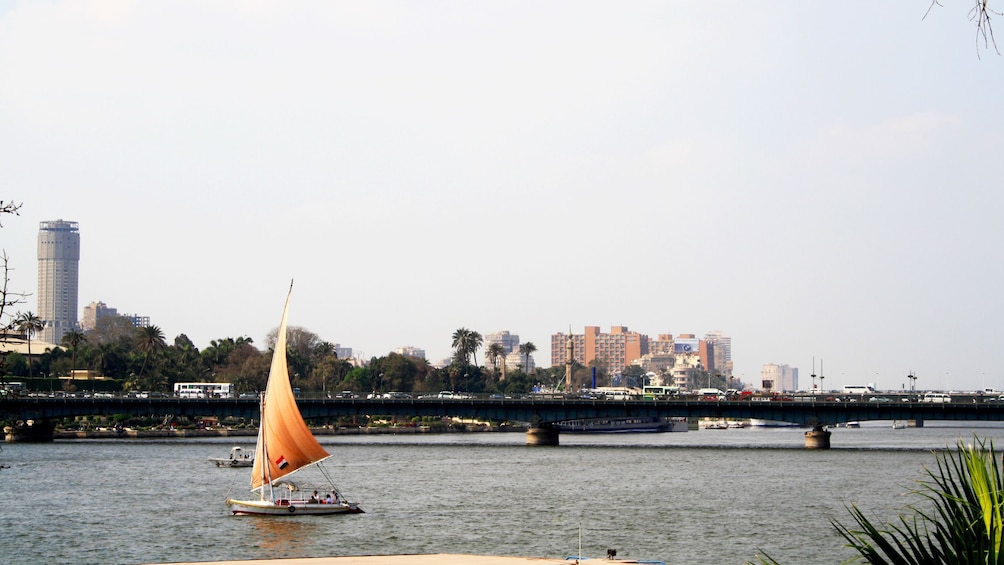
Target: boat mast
[[266, 477]]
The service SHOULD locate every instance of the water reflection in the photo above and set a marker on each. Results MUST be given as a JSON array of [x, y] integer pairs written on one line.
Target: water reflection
[[283, 537]]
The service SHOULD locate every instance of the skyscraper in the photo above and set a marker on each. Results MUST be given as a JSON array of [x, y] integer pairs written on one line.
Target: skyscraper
[[58, 262]]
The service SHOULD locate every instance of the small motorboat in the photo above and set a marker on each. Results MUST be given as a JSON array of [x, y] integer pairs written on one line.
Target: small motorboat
[[238, 458]]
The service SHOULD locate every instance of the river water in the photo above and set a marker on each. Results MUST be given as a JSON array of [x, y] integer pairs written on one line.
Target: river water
[[708, 496]]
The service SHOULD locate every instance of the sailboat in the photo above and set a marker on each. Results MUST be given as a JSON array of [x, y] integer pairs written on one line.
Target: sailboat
[[285, 446]]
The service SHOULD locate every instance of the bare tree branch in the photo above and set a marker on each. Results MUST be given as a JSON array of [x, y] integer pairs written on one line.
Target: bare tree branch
[[981, 14], [7, 298], [9, 208]]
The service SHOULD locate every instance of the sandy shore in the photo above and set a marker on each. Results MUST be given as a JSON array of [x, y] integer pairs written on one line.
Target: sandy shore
[[425, 559]]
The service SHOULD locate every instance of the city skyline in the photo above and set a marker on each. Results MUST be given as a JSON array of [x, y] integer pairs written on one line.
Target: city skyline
[[816, 181]]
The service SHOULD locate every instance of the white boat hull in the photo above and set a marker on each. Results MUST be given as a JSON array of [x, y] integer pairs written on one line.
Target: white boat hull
[[285, 508], [761, 423], [220, 462]]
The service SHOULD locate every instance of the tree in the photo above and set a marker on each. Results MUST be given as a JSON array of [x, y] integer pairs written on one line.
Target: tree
[[633, 376], [961, 522], [462, 344], [150, 340], [981, 14], [182, 362], [113, 329], [526, 350], [397, 372], [73, 339], [28, 324], [8, 298], [110, 359], [494, 353]]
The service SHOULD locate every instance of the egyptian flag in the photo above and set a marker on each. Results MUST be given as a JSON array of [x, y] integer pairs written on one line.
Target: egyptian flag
[[282, 463]]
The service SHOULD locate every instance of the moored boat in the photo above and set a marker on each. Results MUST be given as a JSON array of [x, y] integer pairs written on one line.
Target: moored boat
[[238, 458], [623, 425], [706, 424], [762, 423], [285, 445]]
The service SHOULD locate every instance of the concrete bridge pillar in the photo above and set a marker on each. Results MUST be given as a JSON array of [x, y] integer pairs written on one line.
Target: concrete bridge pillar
[[817, 438], [542, 435]]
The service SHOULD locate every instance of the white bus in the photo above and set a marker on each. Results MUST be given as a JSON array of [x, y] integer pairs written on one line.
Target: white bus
[[858, 389], [937, 397], [652, 392], [204, 390]]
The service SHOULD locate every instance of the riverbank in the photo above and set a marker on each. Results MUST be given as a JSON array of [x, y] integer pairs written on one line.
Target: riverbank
[[129, 433]]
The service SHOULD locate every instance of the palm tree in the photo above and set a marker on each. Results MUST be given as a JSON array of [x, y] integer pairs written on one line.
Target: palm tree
[[967, 522], [28, 324], [475, 343], [462, 343], [149, 340], [73, 339], [962, 522], [494, 352], [526, 350]]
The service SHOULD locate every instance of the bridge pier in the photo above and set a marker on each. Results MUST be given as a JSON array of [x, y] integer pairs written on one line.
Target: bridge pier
[[542, 435], [817, 438]]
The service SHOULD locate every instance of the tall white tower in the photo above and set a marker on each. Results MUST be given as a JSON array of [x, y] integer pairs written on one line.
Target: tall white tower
[[58, 261]]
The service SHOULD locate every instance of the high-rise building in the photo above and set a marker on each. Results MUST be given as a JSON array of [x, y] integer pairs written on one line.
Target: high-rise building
[[723, 351], [58, 260], [615, 349], [507, 340]]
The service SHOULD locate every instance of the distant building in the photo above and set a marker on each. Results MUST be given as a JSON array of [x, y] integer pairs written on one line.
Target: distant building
[[409, 351], [778, 378], [656, 362], [515, 360], [93, 313], [58, 278], [138, 321], [615, 350], [662, 346], [97, 311], [722, 351], [622, 347], [507, 340], [687, 370], [511, 357]]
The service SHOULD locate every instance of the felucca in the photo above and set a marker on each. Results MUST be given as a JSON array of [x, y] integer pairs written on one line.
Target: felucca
[[285, 446]]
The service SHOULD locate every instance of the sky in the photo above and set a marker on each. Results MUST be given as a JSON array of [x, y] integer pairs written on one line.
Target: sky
[[820, 181]]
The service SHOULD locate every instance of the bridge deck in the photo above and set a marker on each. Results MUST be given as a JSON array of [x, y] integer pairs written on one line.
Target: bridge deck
[[534, 410]]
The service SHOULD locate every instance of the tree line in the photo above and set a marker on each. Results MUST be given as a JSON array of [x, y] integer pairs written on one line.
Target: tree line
[[140, 358]]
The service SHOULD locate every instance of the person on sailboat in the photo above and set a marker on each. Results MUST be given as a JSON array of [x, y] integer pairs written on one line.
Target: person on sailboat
[[314, 499]]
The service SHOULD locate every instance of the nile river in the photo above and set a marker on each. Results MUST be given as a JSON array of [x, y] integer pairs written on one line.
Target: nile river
[[709, 496]]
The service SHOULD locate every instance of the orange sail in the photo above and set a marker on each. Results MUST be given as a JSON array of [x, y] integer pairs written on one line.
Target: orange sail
[[285, 444]]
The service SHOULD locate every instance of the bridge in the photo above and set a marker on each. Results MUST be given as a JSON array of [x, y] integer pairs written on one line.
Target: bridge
[[542, 412]]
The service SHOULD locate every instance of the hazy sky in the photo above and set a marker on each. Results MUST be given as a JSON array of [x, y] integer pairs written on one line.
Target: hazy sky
[[817, 180]]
